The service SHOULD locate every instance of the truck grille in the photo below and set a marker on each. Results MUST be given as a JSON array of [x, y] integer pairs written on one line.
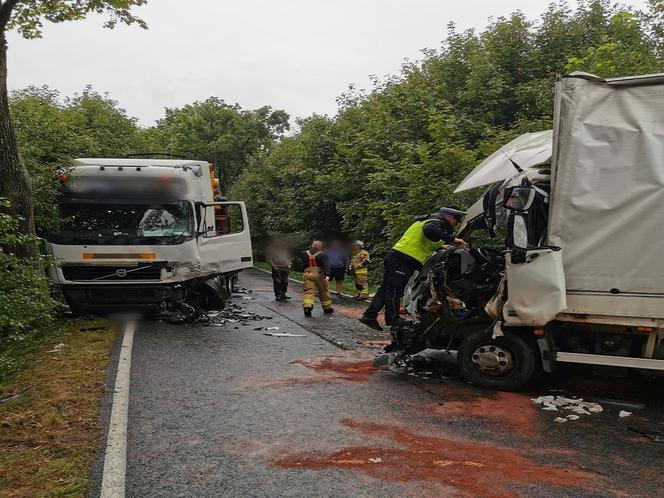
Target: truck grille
[[112, 273], [125, 295]]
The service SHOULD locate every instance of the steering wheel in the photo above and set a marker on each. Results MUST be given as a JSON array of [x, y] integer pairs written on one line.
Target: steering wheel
[[490, 256]]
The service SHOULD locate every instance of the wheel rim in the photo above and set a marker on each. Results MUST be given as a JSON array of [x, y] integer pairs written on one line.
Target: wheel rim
[[497, 361]]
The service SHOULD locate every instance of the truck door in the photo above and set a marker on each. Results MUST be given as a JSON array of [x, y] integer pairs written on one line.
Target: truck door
[[224, 239]]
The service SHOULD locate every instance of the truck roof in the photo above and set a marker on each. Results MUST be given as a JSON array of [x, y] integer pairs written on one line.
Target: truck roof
[[168, 163]]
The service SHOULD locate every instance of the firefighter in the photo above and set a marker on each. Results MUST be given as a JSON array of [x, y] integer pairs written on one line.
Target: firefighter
[[428, 233], [359, 268], [316, 278]]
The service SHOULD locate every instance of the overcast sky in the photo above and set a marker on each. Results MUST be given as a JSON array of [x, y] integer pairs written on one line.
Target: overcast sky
[[297, 55]]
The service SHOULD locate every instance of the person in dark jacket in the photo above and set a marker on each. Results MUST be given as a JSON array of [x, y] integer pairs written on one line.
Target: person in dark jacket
[[316, 271], [338, 262], [426, 235]]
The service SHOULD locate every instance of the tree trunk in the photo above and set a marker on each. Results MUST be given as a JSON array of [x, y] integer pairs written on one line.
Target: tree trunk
[[14, 182]]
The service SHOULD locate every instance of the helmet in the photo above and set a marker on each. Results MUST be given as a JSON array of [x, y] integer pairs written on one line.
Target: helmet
[[453, 212], [359, 243]]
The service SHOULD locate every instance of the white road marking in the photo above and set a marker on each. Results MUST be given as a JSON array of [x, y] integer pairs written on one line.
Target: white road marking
[[115, 461]]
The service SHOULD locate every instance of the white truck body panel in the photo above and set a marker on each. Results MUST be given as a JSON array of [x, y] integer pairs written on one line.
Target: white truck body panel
[[607, 200]]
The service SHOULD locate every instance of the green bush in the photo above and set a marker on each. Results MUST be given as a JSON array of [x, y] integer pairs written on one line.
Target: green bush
[[24, 293]]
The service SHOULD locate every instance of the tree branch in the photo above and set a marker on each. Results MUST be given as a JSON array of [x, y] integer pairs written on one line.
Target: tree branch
[[6, 12]]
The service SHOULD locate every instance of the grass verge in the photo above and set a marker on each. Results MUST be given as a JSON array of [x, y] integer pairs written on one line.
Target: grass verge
[[48, 434], [348, 286]]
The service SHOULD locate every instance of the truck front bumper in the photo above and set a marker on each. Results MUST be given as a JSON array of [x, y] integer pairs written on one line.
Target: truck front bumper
[[101, 299]]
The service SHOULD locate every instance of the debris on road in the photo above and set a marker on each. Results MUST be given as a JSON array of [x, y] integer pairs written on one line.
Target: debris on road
[[576, 405], [624, 414], [272, 328], [234, 313], [282, 334]]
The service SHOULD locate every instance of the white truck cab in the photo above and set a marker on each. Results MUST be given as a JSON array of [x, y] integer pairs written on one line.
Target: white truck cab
[[146, 234]]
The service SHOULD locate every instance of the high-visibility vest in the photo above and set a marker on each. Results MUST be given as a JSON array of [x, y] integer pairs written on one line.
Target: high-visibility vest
[[312, 259], [415, 244]]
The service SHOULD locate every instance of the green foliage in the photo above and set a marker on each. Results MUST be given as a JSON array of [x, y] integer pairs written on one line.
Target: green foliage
[[52, 131], [220, 133], [399, 150], [29, 15], [24, 296]]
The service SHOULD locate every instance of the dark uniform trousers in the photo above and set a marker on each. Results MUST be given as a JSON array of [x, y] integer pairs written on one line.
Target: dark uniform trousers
[[398, 268]]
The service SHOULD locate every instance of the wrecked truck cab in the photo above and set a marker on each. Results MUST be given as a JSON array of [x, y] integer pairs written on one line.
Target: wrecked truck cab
[[145, 235], [566, 205]]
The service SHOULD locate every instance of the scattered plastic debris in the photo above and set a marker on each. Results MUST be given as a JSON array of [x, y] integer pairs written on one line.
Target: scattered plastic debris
[[272, 328], [233, 314], [283, 334], [57, 348], [624, 414], [376, 460], [576, 405]]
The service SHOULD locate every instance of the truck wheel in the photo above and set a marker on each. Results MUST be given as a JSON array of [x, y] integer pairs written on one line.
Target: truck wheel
[[505, 363], [212, 294]]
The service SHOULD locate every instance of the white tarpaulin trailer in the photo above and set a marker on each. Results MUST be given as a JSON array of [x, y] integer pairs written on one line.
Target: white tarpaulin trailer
[[607, 204]]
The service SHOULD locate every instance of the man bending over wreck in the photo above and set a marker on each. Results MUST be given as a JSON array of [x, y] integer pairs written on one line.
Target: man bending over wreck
[[427, 234]]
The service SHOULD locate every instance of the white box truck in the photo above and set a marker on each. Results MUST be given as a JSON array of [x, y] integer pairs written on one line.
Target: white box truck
[[567, 263], [146, 234]]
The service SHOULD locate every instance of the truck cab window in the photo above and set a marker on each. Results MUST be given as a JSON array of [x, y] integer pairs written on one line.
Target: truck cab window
[[228, 219]]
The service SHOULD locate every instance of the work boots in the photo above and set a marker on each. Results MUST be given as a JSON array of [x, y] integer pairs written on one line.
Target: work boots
[[307, 312], [371, 322]]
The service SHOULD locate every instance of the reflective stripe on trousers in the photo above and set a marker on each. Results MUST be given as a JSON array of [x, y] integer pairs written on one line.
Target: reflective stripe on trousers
[[314, 280]]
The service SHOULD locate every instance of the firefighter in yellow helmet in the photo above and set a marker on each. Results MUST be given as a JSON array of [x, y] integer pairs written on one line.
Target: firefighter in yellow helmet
[[316, 279], [359, 268]]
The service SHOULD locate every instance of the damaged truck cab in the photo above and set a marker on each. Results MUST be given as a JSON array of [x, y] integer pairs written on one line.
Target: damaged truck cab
[[146, 234], [566, 265]]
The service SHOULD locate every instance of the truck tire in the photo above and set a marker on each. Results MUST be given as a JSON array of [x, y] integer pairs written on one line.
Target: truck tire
[[213, 293], [506, 363]]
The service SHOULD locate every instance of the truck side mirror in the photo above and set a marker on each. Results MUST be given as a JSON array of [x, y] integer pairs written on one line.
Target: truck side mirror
[[519, 198]]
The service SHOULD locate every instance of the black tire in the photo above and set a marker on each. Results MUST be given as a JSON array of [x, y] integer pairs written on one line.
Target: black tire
[[520, 354], [211, 294]]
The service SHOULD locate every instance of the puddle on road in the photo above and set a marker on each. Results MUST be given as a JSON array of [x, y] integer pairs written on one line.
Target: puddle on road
[[475, 469]]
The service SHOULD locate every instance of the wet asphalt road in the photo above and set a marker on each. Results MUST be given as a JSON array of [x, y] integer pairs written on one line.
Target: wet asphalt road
[[229, 411]]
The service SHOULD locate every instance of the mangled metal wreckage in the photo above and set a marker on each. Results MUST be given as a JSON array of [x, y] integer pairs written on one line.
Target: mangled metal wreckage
[[566, 264]]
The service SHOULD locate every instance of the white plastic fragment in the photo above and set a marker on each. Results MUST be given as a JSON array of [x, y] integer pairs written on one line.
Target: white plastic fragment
[[572, 417], [575, 405], [57, 348], [560, 420], [376, 460], [282, 334], [272, 328], [624, 414]]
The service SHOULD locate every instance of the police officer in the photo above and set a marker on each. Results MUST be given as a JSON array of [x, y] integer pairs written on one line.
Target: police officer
[[428, 233]]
